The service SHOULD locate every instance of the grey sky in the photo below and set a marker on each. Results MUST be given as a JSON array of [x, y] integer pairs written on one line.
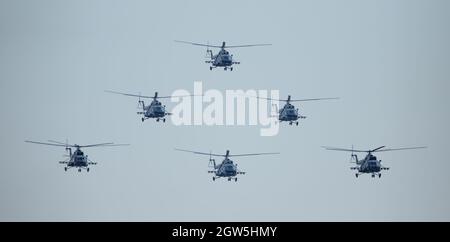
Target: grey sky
[[387, 60]]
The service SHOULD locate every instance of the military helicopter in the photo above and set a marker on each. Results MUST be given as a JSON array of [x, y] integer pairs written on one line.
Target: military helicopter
[[370, 164], [223, 58], [77, 159], [155, 110], [289, 113], [226, 169]]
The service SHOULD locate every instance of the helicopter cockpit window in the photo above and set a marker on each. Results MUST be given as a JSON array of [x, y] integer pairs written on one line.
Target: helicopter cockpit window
[[373, 158]]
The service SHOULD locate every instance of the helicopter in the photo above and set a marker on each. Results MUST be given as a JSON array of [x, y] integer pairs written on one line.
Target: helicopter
[[77, 159], [369, 164], [289, 113], [155, 110], [223, 58], [226, 169]]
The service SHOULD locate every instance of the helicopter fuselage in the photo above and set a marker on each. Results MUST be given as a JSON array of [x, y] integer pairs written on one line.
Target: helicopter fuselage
[[222, 59], [288, 113], [155, 110], [226, 169], [78, 159], [370, 164], [370, 167]]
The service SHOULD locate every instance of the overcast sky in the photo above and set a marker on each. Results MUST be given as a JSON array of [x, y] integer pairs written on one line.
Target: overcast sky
[[387, 60]]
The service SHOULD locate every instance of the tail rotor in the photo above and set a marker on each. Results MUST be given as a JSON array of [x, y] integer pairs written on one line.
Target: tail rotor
[[141, 104], [209, 53], [139, 101], [352, 156], [212, 162], [68, 148]]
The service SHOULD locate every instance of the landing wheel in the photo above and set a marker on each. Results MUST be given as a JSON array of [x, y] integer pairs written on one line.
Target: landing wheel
[[214, 178], [373, 175], [164, 120], [65, 168], [87, 169], [296, 123], [142, 119], [210, 68], [225, 68], [235, 179], [290, 123], [229, 178], [379, 175], [231, 69], [79, 169], [157, 120], [356, 175]]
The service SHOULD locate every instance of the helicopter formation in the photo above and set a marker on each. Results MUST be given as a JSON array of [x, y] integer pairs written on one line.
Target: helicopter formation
[[227, 168]]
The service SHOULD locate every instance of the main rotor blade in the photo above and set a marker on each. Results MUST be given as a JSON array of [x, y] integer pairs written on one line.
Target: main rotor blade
[[128, 94], [270, 153], [102, 145], [200, 153], [341, 149], [192, 95], [381, 147], [298, 100], [143, 96], [268, 98], [220, 46], [192, 43], [92, 145], [57, 142], [312, 99], [60, 144], [43, 143], [406, 148], [239, 46]]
